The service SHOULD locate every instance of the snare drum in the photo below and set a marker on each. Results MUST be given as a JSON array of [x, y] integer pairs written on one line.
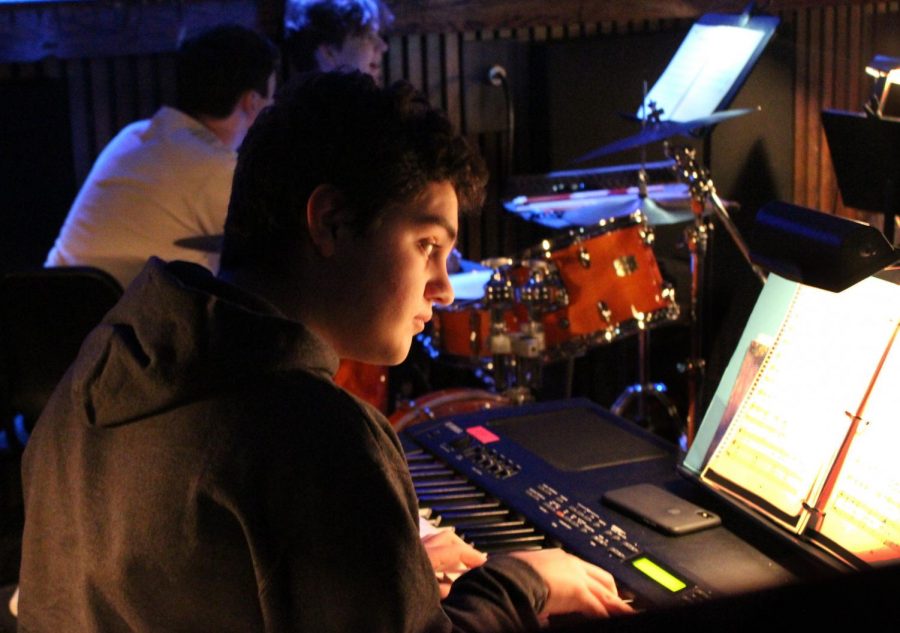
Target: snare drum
[[446, 402], [612, 282]]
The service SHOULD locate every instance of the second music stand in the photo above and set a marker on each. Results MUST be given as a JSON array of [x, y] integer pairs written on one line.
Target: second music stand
[[865, 151]]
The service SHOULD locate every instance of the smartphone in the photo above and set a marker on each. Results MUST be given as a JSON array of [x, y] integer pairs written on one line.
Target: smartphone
[[661, 509]]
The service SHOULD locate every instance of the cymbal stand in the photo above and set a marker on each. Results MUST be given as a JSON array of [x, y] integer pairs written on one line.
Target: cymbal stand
[[696, 238], [644, 388]]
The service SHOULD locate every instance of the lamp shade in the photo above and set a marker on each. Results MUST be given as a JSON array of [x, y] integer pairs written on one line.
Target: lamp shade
[[816, 248]]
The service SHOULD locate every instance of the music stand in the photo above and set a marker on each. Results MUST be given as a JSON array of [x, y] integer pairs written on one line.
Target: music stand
[[710, 65], [866, 155]]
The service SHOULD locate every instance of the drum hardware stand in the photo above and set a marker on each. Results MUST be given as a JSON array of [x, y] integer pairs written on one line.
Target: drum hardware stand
[[529, 346], [516, 357], [499, 298], [696, 238], [643, 389]]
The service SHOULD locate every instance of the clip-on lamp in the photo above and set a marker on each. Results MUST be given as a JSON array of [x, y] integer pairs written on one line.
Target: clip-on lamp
[[816, 248]]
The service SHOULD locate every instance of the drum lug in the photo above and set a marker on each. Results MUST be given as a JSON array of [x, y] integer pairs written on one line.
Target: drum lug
[[668, 295], [499, 290], [584, 258], [640, 318], [556, 295], [647, 235], [625, 265], [605, 312], [546, 250], [668, 291]]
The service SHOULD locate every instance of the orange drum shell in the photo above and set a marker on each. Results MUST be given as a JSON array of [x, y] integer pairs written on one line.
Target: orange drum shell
[[623, 274], [446, 402], [464, 330]]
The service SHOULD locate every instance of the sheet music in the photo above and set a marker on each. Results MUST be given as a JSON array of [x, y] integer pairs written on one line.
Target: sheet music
[[747, 374], [863, 514], [786, 433], [703, 70]]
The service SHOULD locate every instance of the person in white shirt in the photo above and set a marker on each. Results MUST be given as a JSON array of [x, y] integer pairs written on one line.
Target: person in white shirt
[[161, 186]]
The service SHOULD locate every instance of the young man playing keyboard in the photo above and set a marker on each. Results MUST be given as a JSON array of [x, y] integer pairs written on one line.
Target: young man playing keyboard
[[198, 469]]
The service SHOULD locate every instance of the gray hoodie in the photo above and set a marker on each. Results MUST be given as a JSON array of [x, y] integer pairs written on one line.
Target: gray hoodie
[[198, 470]]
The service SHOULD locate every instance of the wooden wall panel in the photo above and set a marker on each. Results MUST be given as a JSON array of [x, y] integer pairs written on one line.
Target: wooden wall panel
[[801, 133], [833, 41], [80, 116], [107, 93], [29, 31], [830, 78], [453, 78]]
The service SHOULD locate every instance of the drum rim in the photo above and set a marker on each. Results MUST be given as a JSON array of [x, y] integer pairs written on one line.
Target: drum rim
[[582, 234], [577, 346], [580, 345], [447, 396]]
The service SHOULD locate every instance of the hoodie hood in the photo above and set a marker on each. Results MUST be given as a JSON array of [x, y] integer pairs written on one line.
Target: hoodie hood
[[178, 335]]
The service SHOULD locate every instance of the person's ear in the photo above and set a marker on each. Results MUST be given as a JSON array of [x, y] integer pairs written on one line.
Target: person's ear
[[250, 103], [326, 56], [326, 214]]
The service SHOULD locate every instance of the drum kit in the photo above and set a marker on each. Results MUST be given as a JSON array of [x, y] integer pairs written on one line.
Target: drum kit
[[590, 285], [595, 282]]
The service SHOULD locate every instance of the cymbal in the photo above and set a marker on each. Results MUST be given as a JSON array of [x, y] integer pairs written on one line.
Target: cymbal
[[203, 243], [654, 132], [469, 284], [587, 208], [658, 216]]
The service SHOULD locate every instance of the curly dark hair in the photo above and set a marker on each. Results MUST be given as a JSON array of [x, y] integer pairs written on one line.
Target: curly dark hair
[[377, 146], [311, 23]]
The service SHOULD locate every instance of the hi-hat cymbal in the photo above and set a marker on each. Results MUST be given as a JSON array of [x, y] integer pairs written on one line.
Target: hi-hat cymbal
[[658, 216], [587, 208], [661, 131]]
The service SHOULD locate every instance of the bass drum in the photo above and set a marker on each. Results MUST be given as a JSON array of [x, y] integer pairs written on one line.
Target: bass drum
[[446, 402]]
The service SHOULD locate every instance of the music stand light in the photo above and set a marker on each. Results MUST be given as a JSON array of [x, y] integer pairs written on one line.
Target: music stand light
[[816, 248], [885, 100]]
